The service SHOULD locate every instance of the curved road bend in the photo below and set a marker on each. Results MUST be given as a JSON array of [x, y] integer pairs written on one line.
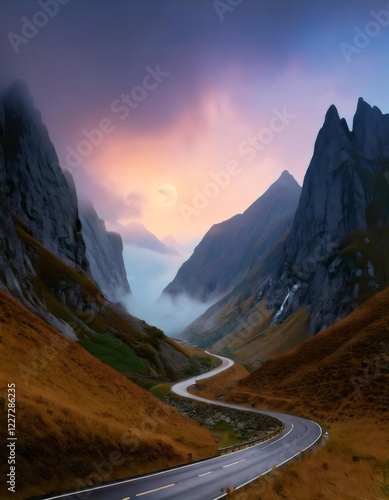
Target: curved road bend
[[208, 480]]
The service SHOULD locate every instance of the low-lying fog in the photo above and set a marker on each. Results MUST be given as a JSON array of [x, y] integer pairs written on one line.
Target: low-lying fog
[[148, 274]]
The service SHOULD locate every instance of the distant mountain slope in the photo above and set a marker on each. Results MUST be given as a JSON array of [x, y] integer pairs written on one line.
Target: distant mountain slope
[[240, 324], [171, 242], [136, 234], [335, 256], [342, 371], [231, 249], [80, 423], [104, 252]]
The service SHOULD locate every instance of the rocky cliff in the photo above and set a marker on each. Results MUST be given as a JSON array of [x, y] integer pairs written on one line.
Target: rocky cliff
[[334, 249], [231, 249], [32, 183], [37, 196], [104, 253], [336, 254]]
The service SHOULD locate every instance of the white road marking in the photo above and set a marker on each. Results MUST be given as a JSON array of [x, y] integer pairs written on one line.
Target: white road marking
[[225, 405], [127, 498], [234, 463], [156, 489], [205, 474]]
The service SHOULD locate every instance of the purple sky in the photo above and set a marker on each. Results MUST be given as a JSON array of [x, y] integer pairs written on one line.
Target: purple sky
[[222, 83]]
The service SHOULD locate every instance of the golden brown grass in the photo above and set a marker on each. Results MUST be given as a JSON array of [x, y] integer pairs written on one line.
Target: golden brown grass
[[149, 344], [214, 387], [341, 372], [255, 340], [78, 421], [351, 466], [340, 378]]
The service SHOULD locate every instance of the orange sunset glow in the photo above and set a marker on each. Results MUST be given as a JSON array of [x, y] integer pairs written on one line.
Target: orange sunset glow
[[198, 160]]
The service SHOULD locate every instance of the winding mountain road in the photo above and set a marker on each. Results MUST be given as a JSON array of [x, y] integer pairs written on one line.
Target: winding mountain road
[[209, 479]]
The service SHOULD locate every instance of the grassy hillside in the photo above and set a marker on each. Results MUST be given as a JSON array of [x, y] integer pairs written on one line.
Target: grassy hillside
[[79, 421], [256, 340], [340, 378], [340, 372], [352, 466], [106, 330], [215, 387]]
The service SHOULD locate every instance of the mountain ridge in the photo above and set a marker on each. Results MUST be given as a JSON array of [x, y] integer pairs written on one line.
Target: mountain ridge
[[336, 253], [339, 194], [230, 249], [104, 252]]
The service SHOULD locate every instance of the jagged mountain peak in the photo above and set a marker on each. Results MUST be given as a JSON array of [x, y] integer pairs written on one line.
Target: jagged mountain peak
[[287, 179], [369, 133], [365, 113], [332, 114], [230, 249], [363, 107], [339, 197], [365, 116], [336, 253], [333, 129], [371, 130]]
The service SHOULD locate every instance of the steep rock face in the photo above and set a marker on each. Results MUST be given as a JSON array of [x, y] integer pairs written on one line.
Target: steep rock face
[[34, 198], [231, 249], [39, 201], [345, 193], [336, 255], [104, 252], [32, 181]]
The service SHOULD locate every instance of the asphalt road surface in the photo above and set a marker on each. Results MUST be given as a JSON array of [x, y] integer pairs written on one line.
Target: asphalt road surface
[[209, 479]]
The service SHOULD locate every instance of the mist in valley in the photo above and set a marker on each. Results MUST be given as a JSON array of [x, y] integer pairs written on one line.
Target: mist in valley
[[149, 273]]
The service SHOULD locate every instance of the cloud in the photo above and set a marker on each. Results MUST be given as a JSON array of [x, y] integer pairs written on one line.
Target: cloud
[[133, 204], [149, 273], [109, 205], [170, 315]]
